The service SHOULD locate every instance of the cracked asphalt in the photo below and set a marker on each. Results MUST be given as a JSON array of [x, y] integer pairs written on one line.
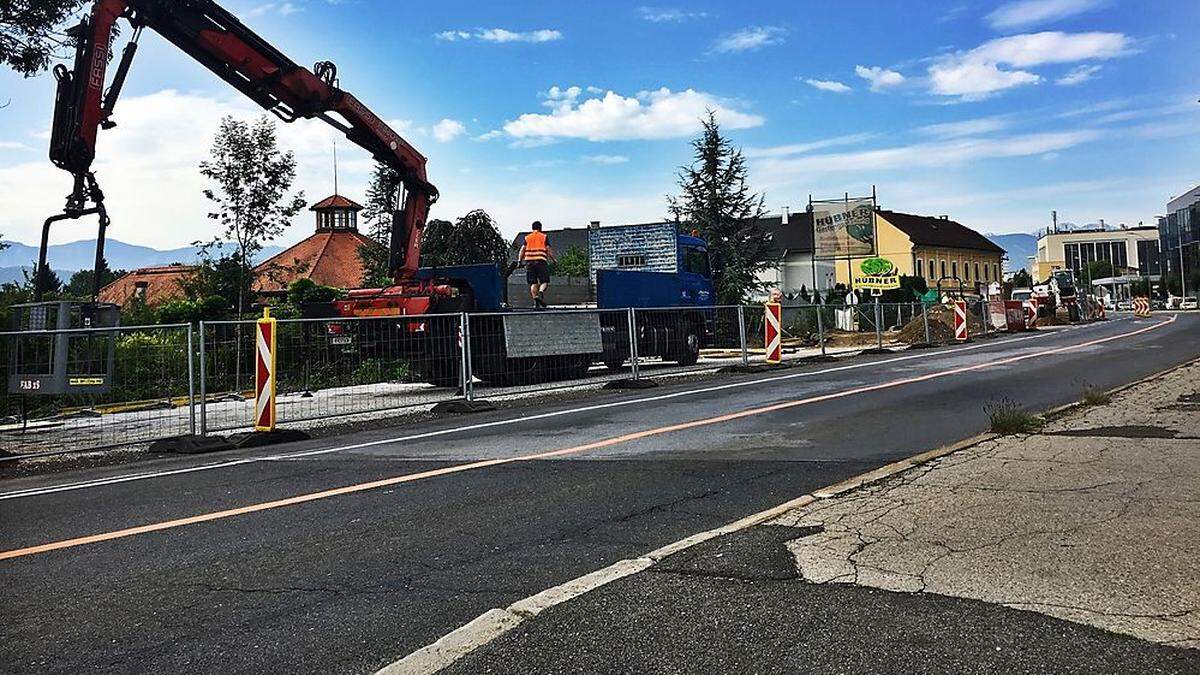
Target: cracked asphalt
[[351, 582]]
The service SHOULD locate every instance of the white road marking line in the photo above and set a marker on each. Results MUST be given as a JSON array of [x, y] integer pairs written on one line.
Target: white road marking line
[[101, 482]]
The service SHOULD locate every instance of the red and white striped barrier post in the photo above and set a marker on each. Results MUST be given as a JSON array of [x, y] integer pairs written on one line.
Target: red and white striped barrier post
[[960, 320], [773, 339], [264, 373], [1031, 313]]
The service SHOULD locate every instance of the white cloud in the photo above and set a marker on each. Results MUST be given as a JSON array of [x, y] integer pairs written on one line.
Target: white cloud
[[829, 85], [939, 154], [802, 148], [604, 159], [974, 127], [880, 78], [282, 8], [646, 115], [447, 130], [668, 14], [500, 35], [749, 39], [1026, 13], [13, 145], [1078, 75], [999, 64]]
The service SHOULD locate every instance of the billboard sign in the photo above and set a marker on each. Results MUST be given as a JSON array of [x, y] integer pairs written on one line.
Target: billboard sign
[[877, 274], [844, 228]]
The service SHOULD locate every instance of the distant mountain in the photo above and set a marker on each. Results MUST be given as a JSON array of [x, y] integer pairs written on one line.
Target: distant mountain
[[1020, 247], [80, 255]]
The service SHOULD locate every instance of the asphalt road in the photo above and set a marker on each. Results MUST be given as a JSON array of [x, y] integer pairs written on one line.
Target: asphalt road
[[489, 510]]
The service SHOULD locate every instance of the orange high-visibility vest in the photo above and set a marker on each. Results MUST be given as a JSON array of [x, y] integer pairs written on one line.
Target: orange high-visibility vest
[[535, 246]]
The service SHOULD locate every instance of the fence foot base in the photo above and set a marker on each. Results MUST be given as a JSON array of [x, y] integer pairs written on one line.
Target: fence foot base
[[462, 407], [257, 439], [190, 444], [877, 350], [921, 345], [630, 383]]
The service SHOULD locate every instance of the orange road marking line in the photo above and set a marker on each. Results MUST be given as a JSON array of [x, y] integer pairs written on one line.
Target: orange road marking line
[[594, 445]]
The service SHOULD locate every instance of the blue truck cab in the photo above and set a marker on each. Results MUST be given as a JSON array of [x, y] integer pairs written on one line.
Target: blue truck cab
[[649, 265]]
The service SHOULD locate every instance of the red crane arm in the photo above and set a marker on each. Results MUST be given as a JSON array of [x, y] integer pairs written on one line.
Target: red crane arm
[[219, 41]]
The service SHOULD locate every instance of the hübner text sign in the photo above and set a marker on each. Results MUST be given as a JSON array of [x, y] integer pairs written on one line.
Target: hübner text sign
[[844, 229]]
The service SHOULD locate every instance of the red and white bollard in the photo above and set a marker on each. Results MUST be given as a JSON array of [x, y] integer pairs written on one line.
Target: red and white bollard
[[264, 373], [960, 320], [773, 338], [1031, 313]]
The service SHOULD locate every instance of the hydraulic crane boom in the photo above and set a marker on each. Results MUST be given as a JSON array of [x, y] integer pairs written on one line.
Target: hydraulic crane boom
[[214, 37]]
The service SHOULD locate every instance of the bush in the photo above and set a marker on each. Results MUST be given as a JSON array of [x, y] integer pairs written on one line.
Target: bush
[[1095, 396]]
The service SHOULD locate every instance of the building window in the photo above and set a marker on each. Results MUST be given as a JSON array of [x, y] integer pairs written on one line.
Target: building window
[[976, 271], [631, 260], [954, 268], [920, 268], [943, 268], [996, 271], [987, 272]]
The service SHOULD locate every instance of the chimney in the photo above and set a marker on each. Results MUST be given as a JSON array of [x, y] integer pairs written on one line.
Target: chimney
[[139, 290], [944, 217], [594, 225], [784, 219]]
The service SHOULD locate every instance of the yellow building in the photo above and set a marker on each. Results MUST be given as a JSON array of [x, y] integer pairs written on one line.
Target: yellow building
[[935, 248]]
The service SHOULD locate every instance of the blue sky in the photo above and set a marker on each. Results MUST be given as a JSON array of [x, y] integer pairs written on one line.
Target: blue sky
[[991, 112]]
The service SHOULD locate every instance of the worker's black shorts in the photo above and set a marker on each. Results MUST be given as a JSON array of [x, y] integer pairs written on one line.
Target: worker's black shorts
[[537, 272]]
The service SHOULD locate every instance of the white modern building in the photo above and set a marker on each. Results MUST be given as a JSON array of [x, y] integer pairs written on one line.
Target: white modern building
[[1133, 251]]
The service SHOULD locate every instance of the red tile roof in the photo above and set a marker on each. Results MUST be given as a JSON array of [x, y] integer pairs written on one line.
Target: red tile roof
[[162, 285], [335, 202], [329, 257]]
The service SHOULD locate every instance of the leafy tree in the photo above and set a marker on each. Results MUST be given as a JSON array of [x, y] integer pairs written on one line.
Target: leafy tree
[[1140, 287], [716, 200], [1097, 269], [472, 239], [185, 310], [11, 294], [50, 283], [221, 277], [80, 284], [251, 183], [571, 263], [1021, 279], [382, 195], [30, 32]]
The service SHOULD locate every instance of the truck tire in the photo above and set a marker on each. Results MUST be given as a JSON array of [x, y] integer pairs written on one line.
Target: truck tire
[[570, 367], [687, 352], [614, 363]]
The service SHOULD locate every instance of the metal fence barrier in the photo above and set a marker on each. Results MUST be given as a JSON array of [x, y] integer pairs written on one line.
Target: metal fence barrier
[[147, 395], [172, 380], [331, 367]]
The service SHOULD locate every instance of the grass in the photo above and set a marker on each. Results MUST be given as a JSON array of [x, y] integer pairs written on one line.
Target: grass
[[1095, 396], [1007, 417]]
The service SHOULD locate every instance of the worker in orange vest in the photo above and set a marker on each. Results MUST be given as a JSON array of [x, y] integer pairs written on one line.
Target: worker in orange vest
[[537, 254]]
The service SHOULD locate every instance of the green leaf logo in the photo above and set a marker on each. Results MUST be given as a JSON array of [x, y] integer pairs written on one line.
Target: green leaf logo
[[876, 267]]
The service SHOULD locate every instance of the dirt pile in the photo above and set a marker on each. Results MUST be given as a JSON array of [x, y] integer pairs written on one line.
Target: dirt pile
[[941, 326]]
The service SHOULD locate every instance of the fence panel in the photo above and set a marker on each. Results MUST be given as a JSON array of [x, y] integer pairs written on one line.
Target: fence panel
[[148, 395], [522, 353], [680, 340], [333, 367]]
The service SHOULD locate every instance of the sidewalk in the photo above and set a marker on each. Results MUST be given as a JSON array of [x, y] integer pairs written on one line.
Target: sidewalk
[[1075, 549]]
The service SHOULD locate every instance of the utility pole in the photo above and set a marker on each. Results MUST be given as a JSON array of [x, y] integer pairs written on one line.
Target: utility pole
[[1182, 276]]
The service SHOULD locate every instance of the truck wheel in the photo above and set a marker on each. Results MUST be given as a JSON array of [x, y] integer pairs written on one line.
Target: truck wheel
[[571, 367], [688, 350], [614, 363]]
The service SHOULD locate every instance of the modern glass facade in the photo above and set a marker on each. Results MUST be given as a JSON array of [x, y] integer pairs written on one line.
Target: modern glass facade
[[1180, 229]]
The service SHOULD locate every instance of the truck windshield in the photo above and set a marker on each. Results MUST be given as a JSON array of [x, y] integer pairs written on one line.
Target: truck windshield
[[695, 261]]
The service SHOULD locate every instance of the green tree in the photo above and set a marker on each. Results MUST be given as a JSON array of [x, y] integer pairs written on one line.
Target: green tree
[[31, 32], [716, 200], [1022, 279], [251, 192], [382, 194], [1097, 269], [571, 263], [220, 277], [49, 281], [80, 284], [472, 239]]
